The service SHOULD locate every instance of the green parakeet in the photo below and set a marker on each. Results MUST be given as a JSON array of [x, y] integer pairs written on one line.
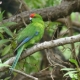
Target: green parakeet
[[29, 35]]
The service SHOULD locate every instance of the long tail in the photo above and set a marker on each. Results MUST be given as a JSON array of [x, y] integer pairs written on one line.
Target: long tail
[[17, 58]]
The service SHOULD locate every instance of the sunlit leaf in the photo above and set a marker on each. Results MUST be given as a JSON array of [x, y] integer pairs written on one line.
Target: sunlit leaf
[[14, 31], [67, 69], [70, 73], [74, 61], [1, 27]]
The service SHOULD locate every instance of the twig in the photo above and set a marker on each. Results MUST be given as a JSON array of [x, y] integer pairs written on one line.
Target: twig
[[52, 75], [24, 74], [69, 25], [20, 8]]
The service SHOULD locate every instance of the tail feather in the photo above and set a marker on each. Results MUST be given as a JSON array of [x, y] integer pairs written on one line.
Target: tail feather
[[17, 58]]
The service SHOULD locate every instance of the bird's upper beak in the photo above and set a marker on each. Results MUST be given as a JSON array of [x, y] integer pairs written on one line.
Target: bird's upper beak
[[30, 18]]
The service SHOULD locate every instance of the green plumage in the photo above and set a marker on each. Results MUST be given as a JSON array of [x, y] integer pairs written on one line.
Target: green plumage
[[32, 33]]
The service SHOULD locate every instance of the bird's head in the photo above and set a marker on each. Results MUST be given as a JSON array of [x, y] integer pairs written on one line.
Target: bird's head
[[34, 15]]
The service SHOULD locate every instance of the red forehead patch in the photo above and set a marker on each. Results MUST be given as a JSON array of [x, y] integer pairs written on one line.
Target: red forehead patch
[[32, 15]]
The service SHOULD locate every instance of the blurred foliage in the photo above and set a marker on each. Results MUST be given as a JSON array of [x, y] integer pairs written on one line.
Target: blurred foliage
[[41, 3], [33, 63], [73, 72], [66, 50], [4, 33]]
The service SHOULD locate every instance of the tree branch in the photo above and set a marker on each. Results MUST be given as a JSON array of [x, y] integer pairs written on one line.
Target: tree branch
[[74, 23], [44, 45], [49, 13]]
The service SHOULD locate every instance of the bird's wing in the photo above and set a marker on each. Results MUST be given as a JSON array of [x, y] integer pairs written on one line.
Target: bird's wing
[[26, 32], [27, 39]]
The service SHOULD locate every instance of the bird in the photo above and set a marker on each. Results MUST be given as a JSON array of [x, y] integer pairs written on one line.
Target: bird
[[30, 35]]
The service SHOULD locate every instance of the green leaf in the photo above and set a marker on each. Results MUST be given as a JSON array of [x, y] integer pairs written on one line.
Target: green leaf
[[73, 79], [1, 27], [74, 61], [6, 50], [1, 30], [67, 69], [8, 24], [15, 31], [7, 30], [73, 76], [70, 73], [1, 16], [1, 36], [4, 41]]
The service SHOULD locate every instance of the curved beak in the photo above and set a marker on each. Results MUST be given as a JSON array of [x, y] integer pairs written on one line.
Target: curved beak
[[30, 18]]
